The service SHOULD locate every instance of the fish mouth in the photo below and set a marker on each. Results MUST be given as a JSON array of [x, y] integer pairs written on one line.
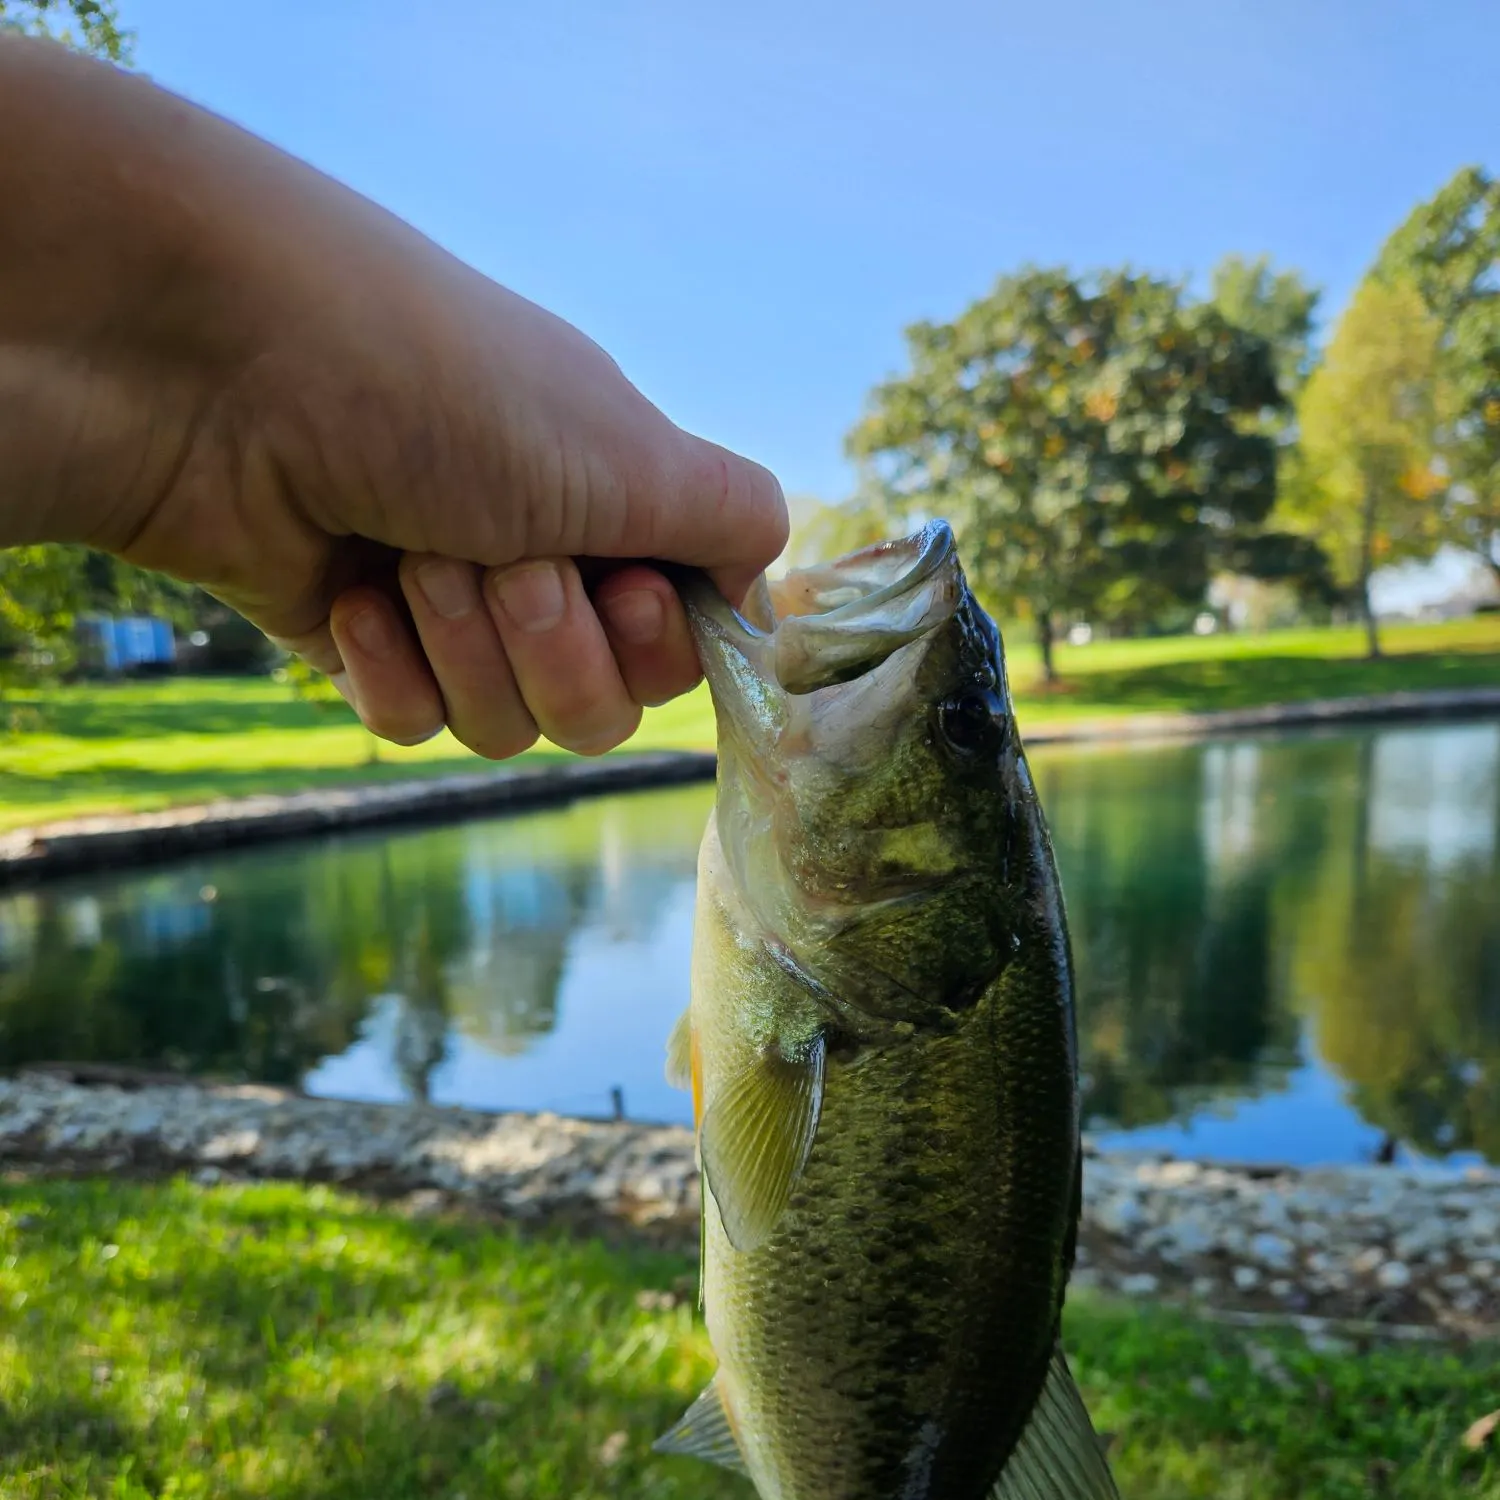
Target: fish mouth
[[821, 626]]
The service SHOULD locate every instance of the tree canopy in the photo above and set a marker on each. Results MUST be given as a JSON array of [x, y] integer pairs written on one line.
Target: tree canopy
[[1092, 441], [1369, 484], [1449, 250], [91, 25], [1277, 305]]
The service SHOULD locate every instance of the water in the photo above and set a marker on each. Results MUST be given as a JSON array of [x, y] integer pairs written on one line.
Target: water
[[1287, 948]]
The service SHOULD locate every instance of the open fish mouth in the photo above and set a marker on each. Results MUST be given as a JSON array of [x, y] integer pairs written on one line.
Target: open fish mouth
[[821, 626]]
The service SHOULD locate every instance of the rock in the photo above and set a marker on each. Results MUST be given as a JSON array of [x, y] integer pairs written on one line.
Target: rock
[[1483, 1228], [1265, 1364], [1186, 1237], [1346, 1237], [1393, 1275], [1119, 1215], [1272, 1250], [1420, 1240]]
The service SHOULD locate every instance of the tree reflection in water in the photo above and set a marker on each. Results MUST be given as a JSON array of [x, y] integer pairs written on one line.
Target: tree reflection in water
[[1237, 908]]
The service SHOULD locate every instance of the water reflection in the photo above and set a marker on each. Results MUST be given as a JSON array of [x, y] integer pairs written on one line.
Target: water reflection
[[1286, 947]]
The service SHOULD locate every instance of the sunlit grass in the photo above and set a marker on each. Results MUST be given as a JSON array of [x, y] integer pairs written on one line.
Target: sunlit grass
[[170, 1340], [143, 745]]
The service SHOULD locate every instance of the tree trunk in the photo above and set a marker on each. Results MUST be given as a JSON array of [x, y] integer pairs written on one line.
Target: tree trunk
[[1044, 640], [1366, 567], [1372, 629]]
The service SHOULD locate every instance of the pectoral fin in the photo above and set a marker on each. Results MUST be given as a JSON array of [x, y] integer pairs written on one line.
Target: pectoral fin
[[705, 1432], [680, 1052], [755, 1139], [1059, 1456]]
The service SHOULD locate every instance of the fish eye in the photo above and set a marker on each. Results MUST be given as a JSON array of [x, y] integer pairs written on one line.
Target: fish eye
[[968, 724]]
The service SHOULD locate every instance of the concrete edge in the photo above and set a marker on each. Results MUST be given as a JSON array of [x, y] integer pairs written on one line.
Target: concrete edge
[[84, 844], [1436, 703]]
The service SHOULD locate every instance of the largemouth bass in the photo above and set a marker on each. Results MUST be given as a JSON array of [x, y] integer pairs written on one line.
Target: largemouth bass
[[881, 1050]]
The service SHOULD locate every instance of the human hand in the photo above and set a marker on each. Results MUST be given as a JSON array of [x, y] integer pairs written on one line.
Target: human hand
[[387, 462]]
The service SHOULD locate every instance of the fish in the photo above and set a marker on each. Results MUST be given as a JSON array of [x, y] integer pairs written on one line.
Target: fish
[[881, 1050]]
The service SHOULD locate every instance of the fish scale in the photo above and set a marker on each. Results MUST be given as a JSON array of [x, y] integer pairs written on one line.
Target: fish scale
[[882, 1054]]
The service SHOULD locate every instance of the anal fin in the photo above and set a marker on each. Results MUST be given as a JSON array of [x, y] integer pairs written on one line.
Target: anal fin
[[1059, 1455], [705, 1432]]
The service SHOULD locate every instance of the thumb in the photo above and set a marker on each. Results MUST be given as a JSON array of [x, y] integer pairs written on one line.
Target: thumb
[[717, 511]]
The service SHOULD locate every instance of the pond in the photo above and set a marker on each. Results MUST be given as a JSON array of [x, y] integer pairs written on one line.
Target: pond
[[1288, 949]]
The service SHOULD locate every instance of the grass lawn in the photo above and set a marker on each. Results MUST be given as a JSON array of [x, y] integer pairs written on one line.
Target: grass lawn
[[171, 1341], [145, 745]]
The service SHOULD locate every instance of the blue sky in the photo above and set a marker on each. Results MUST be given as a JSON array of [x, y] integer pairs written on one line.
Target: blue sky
[[746, 204]]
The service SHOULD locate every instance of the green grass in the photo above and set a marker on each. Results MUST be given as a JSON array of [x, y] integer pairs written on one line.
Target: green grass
[[170, 1341], [138, 746]]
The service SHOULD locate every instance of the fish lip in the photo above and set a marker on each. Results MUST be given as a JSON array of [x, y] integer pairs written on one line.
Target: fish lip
[[708, 609], [931, 549], [820, 648], [932, 546]]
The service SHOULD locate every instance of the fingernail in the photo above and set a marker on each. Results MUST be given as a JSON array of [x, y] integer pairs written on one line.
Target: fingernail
[[636, 615], [421, 739], [449, 587], [531, 596], [372, 632], [340, 681]]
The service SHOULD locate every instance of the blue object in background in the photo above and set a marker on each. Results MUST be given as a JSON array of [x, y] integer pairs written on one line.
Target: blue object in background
[[116, 643]]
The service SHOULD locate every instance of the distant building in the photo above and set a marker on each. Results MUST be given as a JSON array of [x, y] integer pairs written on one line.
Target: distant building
[[112, 644]]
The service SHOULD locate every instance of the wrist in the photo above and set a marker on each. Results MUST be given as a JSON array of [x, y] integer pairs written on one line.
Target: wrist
[[133, 286]]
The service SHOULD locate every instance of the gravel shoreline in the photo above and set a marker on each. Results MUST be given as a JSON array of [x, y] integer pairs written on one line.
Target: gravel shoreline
[[75, 845], [1370, 1244]]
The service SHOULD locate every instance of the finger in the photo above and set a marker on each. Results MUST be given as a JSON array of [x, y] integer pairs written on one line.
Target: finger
[[387, 676], [560, 655], [648, 632], [722, 512], [483, 705]]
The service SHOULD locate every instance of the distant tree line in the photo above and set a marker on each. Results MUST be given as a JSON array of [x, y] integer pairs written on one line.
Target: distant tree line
[[1108, 445]]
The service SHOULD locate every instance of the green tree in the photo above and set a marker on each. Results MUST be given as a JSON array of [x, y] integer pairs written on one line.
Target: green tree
[[97, 24], [1367, 485], [1449, 249], [1089, 440], [1277, 305]]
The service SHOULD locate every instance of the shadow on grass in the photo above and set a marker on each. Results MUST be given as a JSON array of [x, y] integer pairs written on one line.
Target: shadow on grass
[[1243, 682], [103, 713], [277, 1341], [142, 786]]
